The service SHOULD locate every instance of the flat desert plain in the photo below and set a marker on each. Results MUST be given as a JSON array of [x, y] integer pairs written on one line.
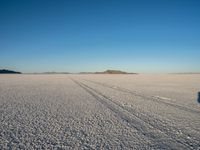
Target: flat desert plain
[[143, 111]]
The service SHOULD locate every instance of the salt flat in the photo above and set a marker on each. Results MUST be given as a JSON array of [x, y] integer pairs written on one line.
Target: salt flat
[[143, 111]]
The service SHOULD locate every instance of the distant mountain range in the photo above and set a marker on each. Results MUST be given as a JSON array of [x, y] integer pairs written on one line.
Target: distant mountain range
[[4, 71], [108, 72], [186, 73], [56, 72]]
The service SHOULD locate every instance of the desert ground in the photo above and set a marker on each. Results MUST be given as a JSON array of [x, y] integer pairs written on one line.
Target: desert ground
[[100, 111]]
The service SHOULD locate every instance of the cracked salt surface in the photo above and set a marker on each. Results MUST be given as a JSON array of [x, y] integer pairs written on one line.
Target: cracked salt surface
[[99, 112]]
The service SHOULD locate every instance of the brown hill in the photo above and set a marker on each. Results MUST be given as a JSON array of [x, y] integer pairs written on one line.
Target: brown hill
[[113, 72]]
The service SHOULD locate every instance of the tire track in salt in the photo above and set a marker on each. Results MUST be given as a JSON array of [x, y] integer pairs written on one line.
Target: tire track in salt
[[171, 131], [152, 98], [154, 134], [157, 99]]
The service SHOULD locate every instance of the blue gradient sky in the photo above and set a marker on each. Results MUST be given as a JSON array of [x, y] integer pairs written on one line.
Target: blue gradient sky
[[94, 35]]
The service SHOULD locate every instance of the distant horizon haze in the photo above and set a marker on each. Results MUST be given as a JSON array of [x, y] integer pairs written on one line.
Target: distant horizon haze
[[90, 36]]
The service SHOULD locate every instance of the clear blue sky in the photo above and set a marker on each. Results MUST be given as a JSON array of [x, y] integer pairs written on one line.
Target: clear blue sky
[[94, 35]]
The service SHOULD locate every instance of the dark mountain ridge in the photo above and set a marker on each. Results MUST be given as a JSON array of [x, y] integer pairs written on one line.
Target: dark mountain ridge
[[4, 71]]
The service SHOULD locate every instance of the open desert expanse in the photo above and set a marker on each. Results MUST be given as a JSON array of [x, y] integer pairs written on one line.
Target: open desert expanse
[[133, 111]]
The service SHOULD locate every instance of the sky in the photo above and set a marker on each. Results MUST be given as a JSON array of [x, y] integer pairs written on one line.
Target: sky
[[157, 36]]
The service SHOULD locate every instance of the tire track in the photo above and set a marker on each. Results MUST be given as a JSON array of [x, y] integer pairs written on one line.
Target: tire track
[[152, 98], [171, 133], [153, 133]]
